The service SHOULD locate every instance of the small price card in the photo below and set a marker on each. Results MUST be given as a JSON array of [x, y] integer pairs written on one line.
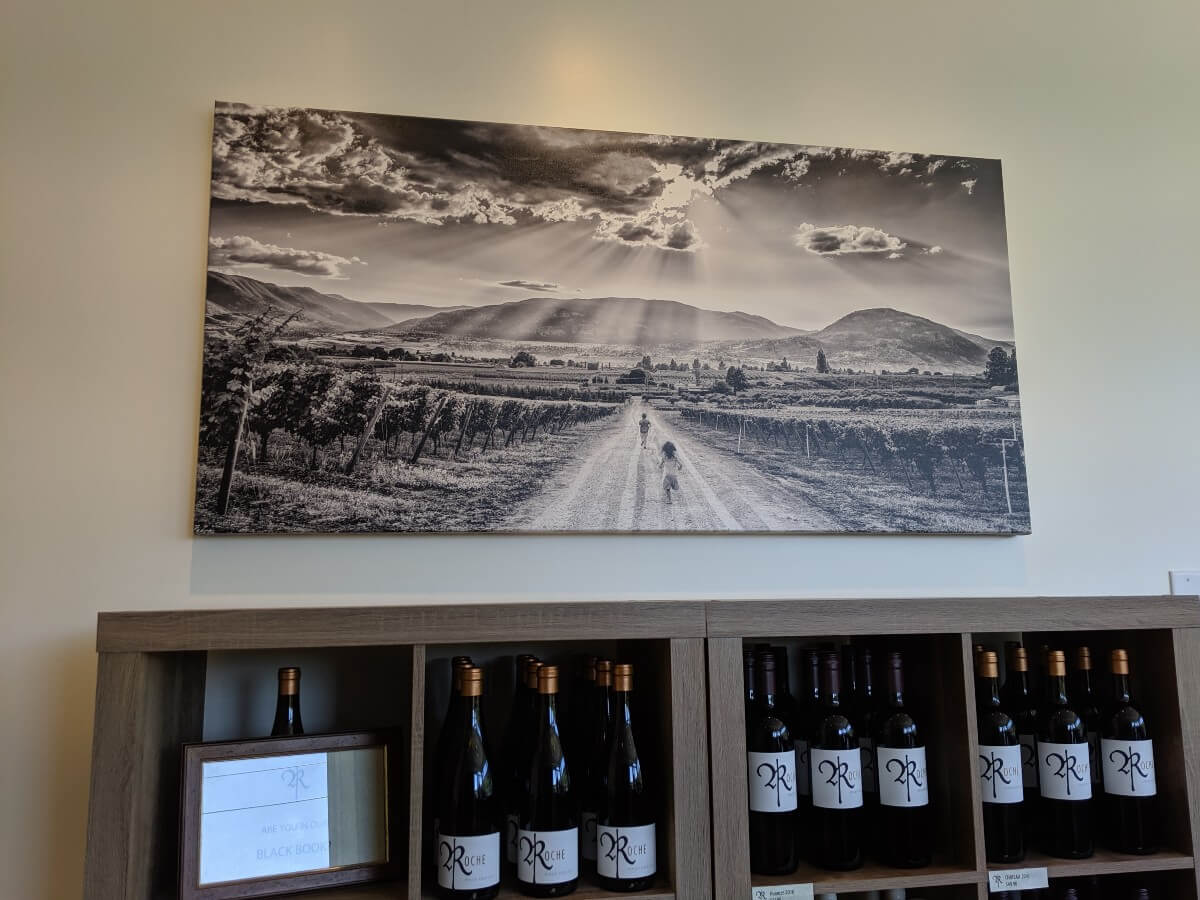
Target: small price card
[[1017, 879], [782, 892]]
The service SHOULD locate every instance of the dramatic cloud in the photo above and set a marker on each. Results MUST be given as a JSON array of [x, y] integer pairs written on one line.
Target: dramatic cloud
[[969, 184], [530, 285], [934, 249], [894, 255], [241, 250], [934, 166], [838, 240], [797, 169]]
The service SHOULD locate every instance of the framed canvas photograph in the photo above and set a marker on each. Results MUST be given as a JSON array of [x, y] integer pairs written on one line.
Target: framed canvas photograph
[[431, 325], [280, 815]]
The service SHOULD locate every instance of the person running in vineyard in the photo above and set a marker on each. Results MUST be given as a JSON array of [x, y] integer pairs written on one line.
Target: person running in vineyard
[[671, 467]]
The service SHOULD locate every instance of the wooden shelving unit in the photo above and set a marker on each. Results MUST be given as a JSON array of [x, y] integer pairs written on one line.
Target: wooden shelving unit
[[153, 668]]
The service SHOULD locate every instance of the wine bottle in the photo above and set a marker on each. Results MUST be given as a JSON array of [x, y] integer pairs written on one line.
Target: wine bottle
[[594, 767], [836, 760], [999, 768], [625, 828], [1127, 759], [287, 705], [1083, 698], [748, 681], [1064, 781], [771, 771], [789, 710], [1018, 701], [787, 702], [548, 827], [468, 839], [520, 749], [905, 824], [849, 675], [450, 722], [866, 714]]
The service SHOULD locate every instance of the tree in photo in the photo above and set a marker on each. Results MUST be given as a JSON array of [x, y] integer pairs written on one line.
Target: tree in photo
[[735, 377], [822, 362], [999, 369], [696, 369], [523, 359]]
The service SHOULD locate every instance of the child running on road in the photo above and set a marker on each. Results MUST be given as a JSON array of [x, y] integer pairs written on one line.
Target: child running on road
[[644, 428], [671, 468]]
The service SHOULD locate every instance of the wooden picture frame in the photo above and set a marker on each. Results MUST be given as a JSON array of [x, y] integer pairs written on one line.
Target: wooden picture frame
[[392, 866]]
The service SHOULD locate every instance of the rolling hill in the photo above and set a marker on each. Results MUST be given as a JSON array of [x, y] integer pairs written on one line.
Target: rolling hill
[[597, 320], [236, 296]]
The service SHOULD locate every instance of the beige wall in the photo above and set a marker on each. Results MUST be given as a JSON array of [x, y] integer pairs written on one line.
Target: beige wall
[[105, 135]]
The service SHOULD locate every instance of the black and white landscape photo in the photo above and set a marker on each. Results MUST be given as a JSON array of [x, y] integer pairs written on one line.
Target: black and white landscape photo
[[426, 325]]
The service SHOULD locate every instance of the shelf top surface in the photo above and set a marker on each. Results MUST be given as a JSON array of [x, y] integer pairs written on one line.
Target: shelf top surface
[[357, 626]]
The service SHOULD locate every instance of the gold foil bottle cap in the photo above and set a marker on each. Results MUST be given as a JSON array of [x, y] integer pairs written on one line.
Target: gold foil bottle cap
[[531, 674], [289, 680], [604, 671], [622, 677], [456, 666], [547, 680], [988, 666], [1083, 659], [470, 679], [1056, 662], [1020, 660], [1120, 662]]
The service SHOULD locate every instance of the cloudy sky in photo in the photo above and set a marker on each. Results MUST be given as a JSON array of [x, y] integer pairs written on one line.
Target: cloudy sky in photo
[[445, 212]]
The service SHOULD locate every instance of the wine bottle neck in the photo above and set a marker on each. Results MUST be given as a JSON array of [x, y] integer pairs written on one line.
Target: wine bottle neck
[[1056, 689], [1084, 679], [1121, 688], [622, 707], [989, 691]]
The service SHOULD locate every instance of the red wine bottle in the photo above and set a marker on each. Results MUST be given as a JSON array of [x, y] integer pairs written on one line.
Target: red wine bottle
[[468, 835], [519, 749], [1064, 781], [835, 833], [999, 767], [1018, 701], [287, 704], [627, 847], [450, 722], [594, 763], [905, 823], [866, 715], [548, 826], [771, 773], [1083, 698], [1127, 760]]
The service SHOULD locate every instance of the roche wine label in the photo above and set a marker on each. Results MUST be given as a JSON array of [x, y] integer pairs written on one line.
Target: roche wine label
[[1064, 773], [626, 852], [773, 781], [1029, 760], [870, 781], [510, 838], [803, 776], [588, 834], [903, 776], [547, 857], [1000, 774], [837, 778], [1128, 768], [468, 863]]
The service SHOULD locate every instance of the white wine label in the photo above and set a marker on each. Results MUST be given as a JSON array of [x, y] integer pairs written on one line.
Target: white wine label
[[547, 857], [1094, 757], [870, 776], [1029, 761], [837, 778], [772, 781], [510, 839], [1064, 771], [1128, 768], [1000, 773], [587, 835], [626, 852], [1005, 880], [467, 863], [803, 777], [782, 892], [903, 776]]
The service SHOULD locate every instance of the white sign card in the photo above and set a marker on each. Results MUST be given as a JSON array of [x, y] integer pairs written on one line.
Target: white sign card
[[782, 892], [1031, 879]]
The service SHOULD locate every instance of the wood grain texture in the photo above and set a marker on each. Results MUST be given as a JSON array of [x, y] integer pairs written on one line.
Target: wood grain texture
[[259, 629], [849, 616], [416, 772], [1186, 644], [727, 759], [147, 706], [1104, 862], [872, 877], [691, 863]]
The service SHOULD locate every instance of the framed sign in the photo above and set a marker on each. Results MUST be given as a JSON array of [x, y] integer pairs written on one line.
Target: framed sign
[[279, 815]]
